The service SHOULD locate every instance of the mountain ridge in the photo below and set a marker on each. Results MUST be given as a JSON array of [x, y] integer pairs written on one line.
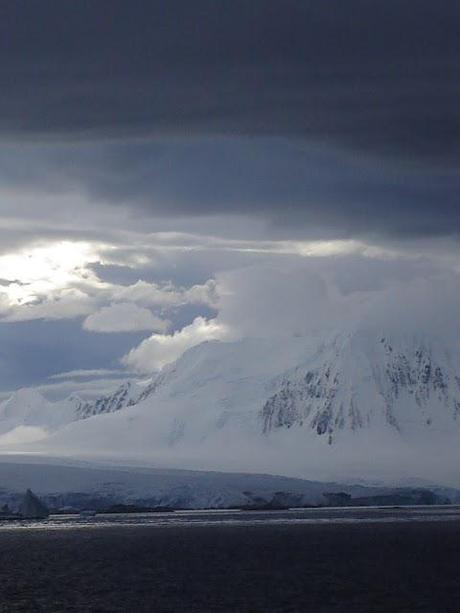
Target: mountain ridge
[[304, 404]]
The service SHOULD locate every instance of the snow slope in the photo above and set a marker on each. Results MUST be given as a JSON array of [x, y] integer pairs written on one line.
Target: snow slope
[[357, 404], [28, 415]]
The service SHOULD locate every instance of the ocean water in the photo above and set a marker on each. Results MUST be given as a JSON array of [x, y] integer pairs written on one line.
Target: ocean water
[[362, 560]]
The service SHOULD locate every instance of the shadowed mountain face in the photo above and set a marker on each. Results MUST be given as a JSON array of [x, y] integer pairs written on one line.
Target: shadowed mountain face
[[124, 396], [358, 381]]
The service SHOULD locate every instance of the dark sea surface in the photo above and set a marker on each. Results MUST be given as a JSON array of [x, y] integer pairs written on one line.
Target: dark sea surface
[[365, 560]]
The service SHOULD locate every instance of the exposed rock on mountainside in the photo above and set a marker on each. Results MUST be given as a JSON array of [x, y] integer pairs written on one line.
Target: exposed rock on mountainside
[[126, 395], [360, 380]]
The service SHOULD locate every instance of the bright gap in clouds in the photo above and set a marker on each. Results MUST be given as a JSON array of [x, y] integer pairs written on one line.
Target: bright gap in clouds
[[45, 268], [269, 288]]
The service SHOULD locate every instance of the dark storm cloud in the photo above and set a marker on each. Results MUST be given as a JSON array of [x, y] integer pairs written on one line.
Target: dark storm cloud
[[328, 119], [376, 75], [301, 191]]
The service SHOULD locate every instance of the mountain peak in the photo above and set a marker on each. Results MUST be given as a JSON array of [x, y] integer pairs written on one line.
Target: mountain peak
[[270, 401], [363, 380]]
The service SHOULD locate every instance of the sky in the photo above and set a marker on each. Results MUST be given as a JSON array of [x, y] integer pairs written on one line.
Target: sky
[[173, 172]]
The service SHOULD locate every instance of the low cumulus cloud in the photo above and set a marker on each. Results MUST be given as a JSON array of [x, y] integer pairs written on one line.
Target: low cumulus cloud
[[67, 303], [124, 317], [312, 298], [271, 301], [57, 281], [167, 294], [161, 349]]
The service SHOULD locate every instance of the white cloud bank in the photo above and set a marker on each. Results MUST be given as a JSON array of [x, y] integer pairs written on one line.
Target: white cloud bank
[[305, 298], [301, 288], [57, 281], [167, 294], [261, 301], [124, 317], [161, 349]]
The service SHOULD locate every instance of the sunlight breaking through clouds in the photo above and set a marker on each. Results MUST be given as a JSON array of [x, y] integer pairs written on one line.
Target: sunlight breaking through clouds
[[46, 268], [31, 274]]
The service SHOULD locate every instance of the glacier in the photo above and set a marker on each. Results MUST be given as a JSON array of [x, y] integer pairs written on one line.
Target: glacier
[[75, 484]]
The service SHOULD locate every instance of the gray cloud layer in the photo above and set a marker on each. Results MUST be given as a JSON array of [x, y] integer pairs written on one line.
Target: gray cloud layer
[[380, 76], [329, 119], [303, 191]]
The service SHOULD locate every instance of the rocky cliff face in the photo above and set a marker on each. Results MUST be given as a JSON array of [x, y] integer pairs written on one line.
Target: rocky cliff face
[[126, 395], [361, 380]]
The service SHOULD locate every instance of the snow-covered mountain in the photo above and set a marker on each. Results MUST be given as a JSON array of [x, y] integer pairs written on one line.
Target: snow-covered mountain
[[124, 396], [359, 403], [364, 380], [31, 415], [27, 408]]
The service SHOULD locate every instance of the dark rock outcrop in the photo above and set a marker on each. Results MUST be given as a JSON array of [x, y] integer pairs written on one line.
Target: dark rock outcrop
[[32, 507]]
